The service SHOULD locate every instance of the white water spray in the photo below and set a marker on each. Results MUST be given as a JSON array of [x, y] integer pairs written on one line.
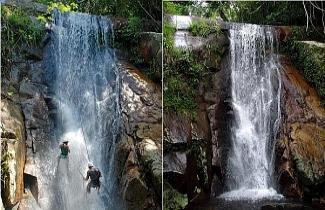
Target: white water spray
[[256, 86], [86, 85]]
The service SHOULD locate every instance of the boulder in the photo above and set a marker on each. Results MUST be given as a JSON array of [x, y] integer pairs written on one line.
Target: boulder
[[300, 149], [139, 151], [135, 192], [13, 152], [177, 127]]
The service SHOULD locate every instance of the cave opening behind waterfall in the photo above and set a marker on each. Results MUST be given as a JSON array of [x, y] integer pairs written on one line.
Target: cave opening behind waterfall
[[83, 77], [255, 99]]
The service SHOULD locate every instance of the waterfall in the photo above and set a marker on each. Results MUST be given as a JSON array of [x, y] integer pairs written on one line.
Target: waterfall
[[255, 91], [85, 83]]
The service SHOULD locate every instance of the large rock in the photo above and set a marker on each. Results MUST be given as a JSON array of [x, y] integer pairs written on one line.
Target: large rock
[[177, 127], [195, 147], [27, 4], [301, 148], [139, 151], [13, 152]]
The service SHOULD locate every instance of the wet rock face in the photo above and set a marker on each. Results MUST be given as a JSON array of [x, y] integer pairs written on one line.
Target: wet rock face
[[195, 149], [177, 135], [139, 151], [300, 150], [150, 48], [13, 152]]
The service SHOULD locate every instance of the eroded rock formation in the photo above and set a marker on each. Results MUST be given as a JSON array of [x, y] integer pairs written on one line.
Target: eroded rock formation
[[30, 116], [13, 152], [139, 151], [301, 148], [195, 148]]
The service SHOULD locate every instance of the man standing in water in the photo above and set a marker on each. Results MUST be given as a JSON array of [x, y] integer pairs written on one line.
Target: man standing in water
[[94, 174], [65, 150]]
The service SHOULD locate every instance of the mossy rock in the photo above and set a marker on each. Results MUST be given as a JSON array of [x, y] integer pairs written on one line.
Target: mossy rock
[[308, 56], [308, 150], [173, 200]]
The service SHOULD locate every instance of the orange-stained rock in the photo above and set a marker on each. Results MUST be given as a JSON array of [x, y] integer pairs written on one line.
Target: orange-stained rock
[[13, 152], [301, 148], [284, 32], [138, 157]]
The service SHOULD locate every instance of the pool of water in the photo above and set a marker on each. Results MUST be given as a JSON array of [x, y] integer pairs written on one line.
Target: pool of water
[[264, 204]]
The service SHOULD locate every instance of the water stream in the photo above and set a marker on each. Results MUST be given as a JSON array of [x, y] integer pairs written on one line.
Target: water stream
[[255, 83], [86, 86]]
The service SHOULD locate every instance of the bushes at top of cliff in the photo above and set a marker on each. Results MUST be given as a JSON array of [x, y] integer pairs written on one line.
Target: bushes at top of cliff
[[203, 28], [308, 56], [142, 9], [176, 8], [19, 27], [182, 74], [18, 30]]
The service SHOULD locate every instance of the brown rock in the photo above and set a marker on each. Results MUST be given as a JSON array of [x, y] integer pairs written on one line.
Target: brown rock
[[300, 149], [177, 127], [13, 152]]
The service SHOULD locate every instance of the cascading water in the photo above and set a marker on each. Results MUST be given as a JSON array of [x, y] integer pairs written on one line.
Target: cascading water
[[256, 86], [86, 86], [183, 38]]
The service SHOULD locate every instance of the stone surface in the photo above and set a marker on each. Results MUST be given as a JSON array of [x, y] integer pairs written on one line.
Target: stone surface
[[177, 127], [27, 4], [139, 151], [175, 162], [301, 148], [150, 48], [13, 151], [195, 148]]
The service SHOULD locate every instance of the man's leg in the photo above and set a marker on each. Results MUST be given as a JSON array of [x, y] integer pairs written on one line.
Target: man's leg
[[88, 187], [98, 188]]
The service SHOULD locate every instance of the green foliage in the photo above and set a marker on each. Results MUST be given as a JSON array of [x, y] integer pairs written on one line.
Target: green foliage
[[309, 59], [169, 31], [62, 7], [299, 33], [178, 95], [203, 28], [17, 31], [131, 31], [173, 200], [182, 74], [279, 13], [5, 158], [45, 18], [142, 9], [173, 8]]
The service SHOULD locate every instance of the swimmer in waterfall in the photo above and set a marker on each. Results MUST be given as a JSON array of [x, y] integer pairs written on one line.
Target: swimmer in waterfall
[[94, 174], [65, 150]]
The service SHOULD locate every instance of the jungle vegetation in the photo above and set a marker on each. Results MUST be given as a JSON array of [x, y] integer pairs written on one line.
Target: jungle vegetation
[[305, 18]]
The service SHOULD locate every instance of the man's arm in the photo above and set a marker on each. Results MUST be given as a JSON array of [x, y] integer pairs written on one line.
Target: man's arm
[[87, 177]]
